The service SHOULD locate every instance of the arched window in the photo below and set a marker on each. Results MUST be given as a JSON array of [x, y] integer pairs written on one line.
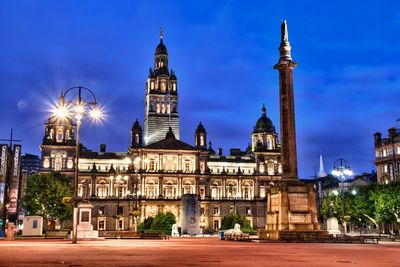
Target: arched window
[[137, 138], [168, 109], [158, 108], [163, 87], [152, 85], [262, 168], [202, 140], [46, 163], [162, 108], [70, 164], [174, 87], [59, 135], [58, 162], [51, 133]]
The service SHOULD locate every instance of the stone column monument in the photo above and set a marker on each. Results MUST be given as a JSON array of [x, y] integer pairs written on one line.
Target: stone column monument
[[190, 215], [291, 204]]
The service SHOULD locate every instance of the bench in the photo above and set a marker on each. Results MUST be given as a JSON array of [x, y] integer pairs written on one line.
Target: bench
[[107, 234], [237, 237], [370, 238], [151, 235], [56, 234], [129, 234]]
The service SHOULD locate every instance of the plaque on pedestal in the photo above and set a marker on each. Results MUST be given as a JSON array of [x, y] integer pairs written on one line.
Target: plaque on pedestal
[[85, 227]]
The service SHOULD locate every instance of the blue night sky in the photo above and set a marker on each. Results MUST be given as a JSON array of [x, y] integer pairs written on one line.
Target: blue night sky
[[347, 83]]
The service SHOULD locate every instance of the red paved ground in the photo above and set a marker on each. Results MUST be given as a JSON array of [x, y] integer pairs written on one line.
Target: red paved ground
[[194, 252]]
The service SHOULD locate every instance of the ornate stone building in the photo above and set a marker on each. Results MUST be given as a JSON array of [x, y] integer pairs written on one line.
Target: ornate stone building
[[159, 169], [387, 153]]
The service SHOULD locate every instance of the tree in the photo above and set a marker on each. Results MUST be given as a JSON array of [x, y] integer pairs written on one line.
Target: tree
[[379, 204], [43, 196], [146, 224], [163, 222], [229, 221]]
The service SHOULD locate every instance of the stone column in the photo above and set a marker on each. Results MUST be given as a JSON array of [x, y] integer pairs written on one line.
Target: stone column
[[239, 188], [179, 186], [93, 185], [112, 187], [142, 186], [208, 187], [160, 186], [196, 185], [223, 187], [160, 162], [256, 191], [287, 115], [180, 162]]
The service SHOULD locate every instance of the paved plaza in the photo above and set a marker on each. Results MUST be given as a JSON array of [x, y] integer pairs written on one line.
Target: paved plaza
[[194, 252]]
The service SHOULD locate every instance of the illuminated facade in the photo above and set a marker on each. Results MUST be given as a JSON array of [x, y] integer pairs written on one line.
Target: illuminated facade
[[158, 168], [387, 153]]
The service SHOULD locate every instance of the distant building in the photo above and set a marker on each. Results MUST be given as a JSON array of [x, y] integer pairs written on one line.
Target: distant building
[[387, 153], [30, 163]]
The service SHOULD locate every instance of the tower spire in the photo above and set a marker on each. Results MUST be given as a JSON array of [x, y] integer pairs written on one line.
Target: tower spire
[[161, 32], [284, 47], [321, 172]]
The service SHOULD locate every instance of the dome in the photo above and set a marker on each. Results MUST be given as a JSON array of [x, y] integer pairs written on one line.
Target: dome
[[264, 124], [161, 49]]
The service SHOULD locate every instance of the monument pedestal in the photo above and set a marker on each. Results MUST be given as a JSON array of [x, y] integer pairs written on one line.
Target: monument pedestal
[[190, 215], [85, 227], [292, 212], [332, 225]]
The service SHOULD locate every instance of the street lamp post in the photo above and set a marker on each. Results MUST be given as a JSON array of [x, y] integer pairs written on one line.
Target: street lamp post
[[77, 109], [342, 170]]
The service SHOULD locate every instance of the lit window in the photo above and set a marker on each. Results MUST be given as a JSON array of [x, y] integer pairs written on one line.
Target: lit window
[[70, 164], [216, 224], [163, 108], [248, 210], [102, 210], [158, 108], [187, 167], [46, 163], [262, 168], [152, 164], [102, 225], [59, 135], [202, 212], [163, 87], [216, 210], [58, 163]]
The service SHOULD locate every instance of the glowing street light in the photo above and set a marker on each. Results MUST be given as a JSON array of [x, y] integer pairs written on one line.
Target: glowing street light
[[77, 109], [342, 170]]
